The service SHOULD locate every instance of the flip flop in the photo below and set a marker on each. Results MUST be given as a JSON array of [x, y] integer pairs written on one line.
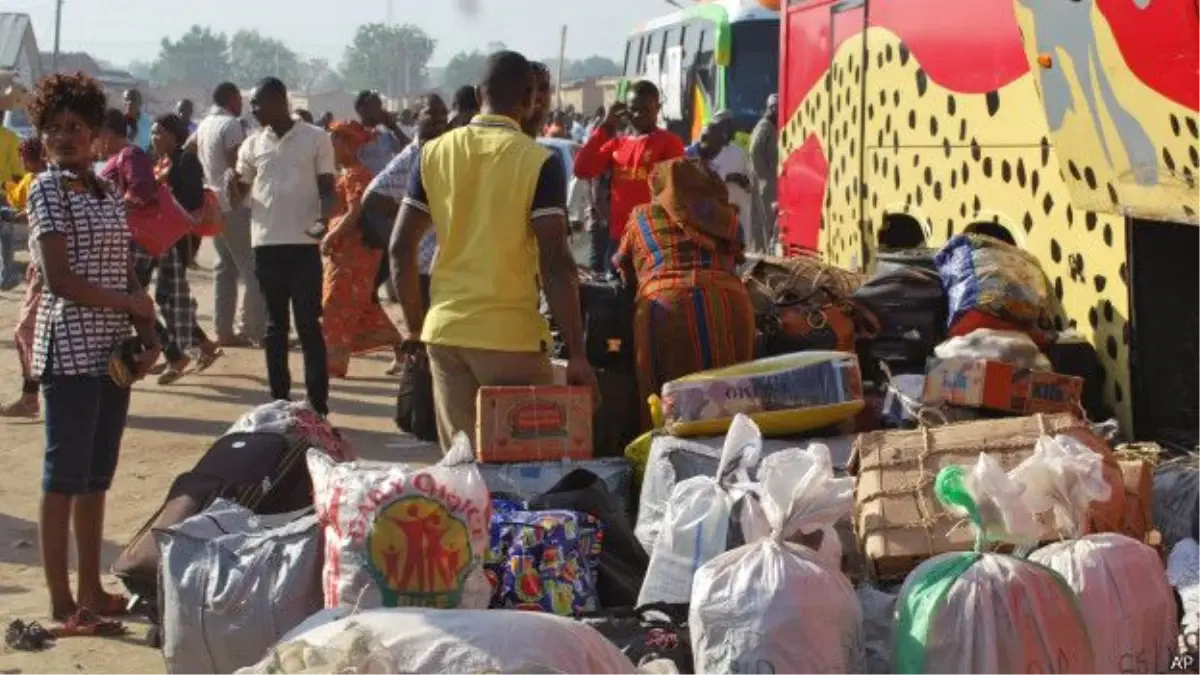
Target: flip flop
[[171, 376], [27, 637], [158, 369], [85, 623], [21, 408], [206, 360]]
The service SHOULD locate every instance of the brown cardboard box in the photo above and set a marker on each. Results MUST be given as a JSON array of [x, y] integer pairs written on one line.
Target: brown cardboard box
[[897, 518], [1139, 498], [530, 424], [994, 385]]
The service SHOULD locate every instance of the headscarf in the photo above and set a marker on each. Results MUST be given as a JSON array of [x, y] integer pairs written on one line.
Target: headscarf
[[695, 199], [353, 132]]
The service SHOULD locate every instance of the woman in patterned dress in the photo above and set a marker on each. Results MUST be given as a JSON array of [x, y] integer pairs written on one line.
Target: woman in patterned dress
[[90, 304], [351, 322], [693, 312]]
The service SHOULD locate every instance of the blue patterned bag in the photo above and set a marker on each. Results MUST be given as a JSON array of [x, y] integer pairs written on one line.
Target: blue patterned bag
[[986, 274], [543, 561]]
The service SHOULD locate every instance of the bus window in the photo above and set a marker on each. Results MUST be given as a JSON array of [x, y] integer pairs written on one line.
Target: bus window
[[683, 33], [753, 70], [899, 232], [994, 230], [628, 52], [641, 55]]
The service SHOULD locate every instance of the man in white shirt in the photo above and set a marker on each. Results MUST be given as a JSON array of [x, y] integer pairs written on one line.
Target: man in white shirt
[[729, 162], [218, 138], [289, 168]]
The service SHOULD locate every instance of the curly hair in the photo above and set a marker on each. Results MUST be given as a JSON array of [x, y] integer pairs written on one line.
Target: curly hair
[[74, 92], [30, 148]]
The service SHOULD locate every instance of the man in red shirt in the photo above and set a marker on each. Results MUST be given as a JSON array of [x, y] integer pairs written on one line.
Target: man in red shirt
[[629, 157]]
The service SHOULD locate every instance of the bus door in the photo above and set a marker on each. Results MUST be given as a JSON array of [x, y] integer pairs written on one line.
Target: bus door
[[820, 125]]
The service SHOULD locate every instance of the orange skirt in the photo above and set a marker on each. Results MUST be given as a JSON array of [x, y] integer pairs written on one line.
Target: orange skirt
[[352, 320]]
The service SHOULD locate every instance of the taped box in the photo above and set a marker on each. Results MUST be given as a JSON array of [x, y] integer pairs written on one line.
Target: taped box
[[994, 385], [897, 518], [530, 424]]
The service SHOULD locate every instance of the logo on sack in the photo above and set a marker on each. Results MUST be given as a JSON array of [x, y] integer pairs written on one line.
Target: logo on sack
[[419, 553]]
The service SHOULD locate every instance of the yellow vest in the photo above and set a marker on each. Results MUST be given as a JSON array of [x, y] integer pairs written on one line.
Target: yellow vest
[[479, 181]]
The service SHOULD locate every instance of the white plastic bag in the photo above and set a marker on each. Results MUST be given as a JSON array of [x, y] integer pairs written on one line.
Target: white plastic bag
[[976, 612], [400, 536], [775, 606], [695, 526], [1122, 588], [1011, 347]]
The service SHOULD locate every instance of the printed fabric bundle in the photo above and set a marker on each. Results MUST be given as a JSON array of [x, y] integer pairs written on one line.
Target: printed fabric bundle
[[984, 274], [977, 612], [543, 561], [401, 536], [1122, 587]]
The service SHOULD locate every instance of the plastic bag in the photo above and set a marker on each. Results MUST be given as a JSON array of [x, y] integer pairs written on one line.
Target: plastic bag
[[984, 612], [1122, 590], [773, 605], [1015, 349], [695, 525], [399, 536], [354, 649]]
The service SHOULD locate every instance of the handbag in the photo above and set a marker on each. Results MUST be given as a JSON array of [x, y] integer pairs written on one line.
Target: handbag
[[210, 219], [159, 225], [652, 631], [414, 402]]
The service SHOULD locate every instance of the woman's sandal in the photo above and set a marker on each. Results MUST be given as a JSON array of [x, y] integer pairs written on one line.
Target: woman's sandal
[[27, 637], [86, 623]]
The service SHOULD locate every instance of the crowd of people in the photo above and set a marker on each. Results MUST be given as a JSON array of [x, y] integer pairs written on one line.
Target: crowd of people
[[456, 209]]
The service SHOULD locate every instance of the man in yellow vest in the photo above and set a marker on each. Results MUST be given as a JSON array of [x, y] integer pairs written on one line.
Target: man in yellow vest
[[497, 201]]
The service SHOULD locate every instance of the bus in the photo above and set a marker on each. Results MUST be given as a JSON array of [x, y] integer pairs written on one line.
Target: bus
[[1073, 125], [706, 57]]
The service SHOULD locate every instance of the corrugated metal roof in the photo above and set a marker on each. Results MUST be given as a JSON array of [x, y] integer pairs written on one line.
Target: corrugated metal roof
[[13, 28]]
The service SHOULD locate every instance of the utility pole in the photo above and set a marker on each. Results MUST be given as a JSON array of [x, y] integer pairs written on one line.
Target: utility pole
[[562, 56], [57, 33]]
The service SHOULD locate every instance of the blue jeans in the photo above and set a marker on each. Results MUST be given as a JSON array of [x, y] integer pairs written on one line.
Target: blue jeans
[[85, 419], [8, 270]]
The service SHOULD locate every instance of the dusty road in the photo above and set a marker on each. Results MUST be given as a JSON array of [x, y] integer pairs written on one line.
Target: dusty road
[[169, 428]]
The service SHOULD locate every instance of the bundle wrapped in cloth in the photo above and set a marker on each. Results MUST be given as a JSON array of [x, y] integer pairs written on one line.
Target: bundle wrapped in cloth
[[978, 612], [780, 603], [1122, 587]]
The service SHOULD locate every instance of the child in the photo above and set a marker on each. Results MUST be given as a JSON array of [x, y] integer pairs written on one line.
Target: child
[[27, 405]]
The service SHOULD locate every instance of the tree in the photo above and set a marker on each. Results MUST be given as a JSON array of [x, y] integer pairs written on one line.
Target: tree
[[592, 66], [198, 57], [316, 76], [253, 56], [394, 59], [465, 68]]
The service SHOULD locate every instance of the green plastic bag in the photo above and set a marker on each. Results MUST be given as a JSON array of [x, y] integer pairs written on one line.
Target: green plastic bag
[[981, 612]]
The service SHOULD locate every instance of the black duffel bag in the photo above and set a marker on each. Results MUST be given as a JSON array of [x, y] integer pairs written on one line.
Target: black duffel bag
[[911, 308], [607, 308], [414, 402], [647, 633]]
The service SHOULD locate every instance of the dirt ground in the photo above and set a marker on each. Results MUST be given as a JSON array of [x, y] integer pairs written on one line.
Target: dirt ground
[[168, 430]]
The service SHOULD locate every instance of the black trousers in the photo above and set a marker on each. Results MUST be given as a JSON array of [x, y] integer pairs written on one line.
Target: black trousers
[[290, 278]]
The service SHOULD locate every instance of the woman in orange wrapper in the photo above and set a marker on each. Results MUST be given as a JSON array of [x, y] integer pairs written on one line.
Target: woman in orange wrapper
[[693, 312], [353, 323]]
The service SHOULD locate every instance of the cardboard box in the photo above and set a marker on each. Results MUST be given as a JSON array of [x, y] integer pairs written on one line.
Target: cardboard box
[[976, 383], [530, 424], [898, 519]]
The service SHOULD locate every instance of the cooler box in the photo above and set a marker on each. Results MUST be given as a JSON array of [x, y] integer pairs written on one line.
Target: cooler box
[[532, 424]]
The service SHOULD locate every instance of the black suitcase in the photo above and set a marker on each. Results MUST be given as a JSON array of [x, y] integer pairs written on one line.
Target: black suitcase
[[911, 307], [264, 472], [618, 418], [607, 308]]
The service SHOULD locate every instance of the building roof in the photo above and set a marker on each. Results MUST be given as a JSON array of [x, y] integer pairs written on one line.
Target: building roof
[[13, 28], [70, 62]]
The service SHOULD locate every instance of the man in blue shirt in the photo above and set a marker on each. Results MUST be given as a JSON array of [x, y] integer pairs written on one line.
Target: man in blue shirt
[[137, 121], [389, 140]]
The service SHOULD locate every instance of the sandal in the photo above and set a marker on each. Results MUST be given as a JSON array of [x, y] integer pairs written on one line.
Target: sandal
[[22, 408], [208, 358], [85, 623], [158, 369], [27, 637]]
